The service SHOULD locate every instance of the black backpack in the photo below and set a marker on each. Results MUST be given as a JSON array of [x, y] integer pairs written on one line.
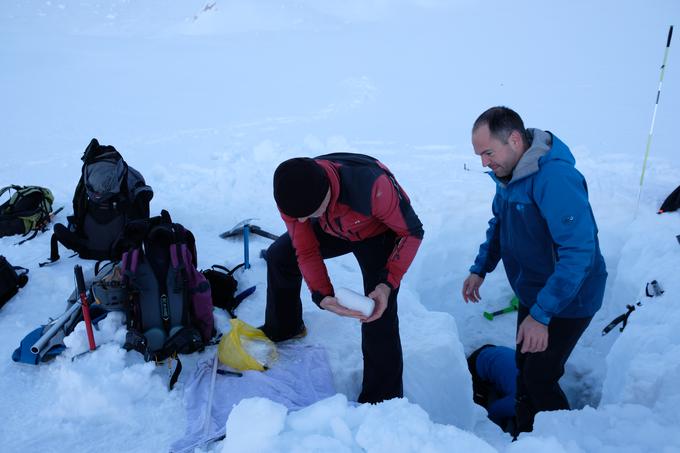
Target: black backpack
[[28, 209], [223, 288], [169, 306], [672, 202], [10, 280], [109, 194]]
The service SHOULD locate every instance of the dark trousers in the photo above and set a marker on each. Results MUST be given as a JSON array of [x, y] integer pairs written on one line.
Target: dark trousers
[[539, 373], [380, 342]]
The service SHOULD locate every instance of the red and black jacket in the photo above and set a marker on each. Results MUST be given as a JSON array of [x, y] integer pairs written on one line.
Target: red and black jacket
[[366, 201]]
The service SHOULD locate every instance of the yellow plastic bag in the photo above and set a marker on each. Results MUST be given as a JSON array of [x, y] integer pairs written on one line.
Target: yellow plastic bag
[[231, 352]]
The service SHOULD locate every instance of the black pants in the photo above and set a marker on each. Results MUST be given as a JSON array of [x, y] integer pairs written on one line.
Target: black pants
[[380, 342], [539, 373]]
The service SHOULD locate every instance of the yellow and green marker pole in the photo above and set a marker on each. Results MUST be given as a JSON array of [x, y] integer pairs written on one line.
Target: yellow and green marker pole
[[656, 105]]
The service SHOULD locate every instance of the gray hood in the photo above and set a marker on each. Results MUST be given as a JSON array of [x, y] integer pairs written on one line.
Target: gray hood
[[541, 142]]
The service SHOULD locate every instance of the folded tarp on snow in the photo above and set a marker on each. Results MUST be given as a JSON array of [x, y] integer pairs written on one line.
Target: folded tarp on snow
[[300, 376]]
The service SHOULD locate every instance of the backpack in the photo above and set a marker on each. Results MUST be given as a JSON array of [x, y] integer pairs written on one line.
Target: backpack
[[671, 203], [109, 194], [107, 290], [169, 305], [223, 288], [10, 280], [28, 209]]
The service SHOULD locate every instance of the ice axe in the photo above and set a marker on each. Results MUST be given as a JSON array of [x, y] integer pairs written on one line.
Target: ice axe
[[245, 228], [80, 283], [514, 303]]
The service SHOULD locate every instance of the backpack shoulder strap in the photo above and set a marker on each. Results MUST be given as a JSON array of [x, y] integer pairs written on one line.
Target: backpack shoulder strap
[[19, 192], [8, 188]]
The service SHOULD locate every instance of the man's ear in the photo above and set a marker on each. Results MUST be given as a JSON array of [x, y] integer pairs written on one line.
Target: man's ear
[[516, 140]]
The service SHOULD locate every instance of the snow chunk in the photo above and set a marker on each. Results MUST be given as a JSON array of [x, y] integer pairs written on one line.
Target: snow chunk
[[253, 424]]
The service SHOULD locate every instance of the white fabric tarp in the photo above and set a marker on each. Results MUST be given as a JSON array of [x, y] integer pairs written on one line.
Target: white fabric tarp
[[299, 377]]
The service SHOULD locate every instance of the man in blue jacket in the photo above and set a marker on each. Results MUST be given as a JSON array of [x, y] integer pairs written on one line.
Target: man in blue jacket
[[544, 231]]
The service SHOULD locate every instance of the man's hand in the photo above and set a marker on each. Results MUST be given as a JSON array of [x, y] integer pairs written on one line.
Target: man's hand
[[471, 288], [331, 304], [381, 294], [533, 335]]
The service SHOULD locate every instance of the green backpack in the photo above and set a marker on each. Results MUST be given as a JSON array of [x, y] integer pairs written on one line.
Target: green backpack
[[28, 209]]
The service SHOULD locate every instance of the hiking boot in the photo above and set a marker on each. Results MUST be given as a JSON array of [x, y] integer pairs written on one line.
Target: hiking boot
[[301, 332]]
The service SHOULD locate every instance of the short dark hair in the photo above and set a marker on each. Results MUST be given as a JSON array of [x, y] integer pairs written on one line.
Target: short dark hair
[[502, 121]]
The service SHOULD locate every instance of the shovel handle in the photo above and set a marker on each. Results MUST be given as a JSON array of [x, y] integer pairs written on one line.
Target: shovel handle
[[514, 303]]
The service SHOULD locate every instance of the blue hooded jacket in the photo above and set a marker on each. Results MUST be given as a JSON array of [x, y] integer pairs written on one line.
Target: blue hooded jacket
[[495, 365], [544, 231]]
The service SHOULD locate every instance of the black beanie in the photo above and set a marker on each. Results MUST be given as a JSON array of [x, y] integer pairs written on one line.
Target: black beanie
[[300, 186]]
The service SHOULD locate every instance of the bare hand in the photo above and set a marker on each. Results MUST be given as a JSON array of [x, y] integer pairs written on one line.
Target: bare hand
[[533, 335], [471, 288], [381, 294], [331, 304]]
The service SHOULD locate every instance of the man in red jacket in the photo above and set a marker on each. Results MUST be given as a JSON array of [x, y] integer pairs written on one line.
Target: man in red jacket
[[333, 205]]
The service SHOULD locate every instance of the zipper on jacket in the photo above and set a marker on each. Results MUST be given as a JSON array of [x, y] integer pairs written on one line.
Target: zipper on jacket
[[330, 225]]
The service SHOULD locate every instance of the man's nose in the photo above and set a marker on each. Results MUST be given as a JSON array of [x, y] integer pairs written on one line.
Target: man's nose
[[485, 161]]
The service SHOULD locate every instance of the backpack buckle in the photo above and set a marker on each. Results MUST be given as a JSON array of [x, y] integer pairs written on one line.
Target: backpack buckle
[[165, 309]]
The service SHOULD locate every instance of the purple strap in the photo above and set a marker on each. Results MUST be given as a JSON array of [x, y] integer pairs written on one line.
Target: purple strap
[[173, 256], [132, 258], [135, 260], [184, 252], [186, 255], [123, 265]]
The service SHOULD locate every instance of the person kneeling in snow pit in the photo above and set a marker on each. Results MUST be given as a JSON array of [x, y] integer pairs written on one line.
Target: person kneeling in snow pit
[[494, 383], [333, 205]]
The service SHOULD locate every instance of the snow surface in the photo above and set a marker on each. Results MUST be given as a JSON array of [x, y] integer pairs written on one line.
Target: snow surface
[[205, 98]]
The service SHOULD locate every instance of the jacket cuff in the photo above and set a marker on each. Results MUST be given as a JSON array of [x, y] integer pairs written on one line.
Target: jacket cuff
[[384, 277], [317, 297], [477, 270], [539, 314], [389, 285]]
